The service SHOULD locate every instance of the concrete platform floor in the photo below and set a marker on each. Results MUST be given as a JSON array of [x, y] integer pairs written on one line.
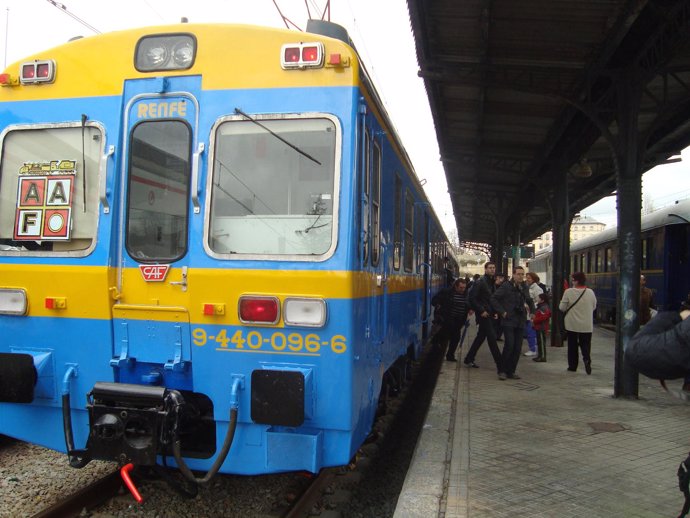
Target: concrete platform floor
[[552, 444]]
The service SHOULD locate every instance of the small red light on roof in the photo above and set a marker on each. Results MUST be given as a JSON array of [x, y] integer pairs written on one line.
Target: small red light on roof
[[38, 71], [28, 71], [310, 54], [292, 54], [259, 309], [209, 309], [43, 70], [5, 79], [334, 59], [302, 55]]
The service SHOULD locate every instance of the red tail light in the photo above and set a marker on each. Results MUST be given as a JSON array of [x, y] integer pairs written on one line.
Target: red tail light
[[38, 71], [28, 71], [42, 70], [311, 54], [302, 55], [258, 310], [291, 54]]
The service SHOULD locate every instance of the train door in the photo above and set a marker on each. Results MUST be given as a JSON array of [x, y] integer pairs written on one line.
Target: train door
[[160, 171], [426, 302], [379, 252], [372, 262]]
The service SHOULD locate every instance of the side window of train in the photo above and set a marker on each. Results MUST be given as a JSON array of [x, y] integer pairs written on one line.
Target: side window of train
[[590, 269], [599, 261], [647, 260], [408, 245], [376, 205], [49, 181], [157, 218], [397, 224], [366, 203], [609, 260]]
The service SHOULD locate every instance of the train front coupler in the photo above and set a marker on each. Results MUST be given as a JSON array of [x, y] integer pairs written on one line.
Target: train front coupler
[[134, 424], [127, 423]]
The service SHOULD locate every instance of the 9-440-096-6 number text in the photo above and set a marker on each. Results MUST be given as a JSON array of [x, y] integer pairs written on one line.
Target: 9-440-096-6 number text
[[271, 342]]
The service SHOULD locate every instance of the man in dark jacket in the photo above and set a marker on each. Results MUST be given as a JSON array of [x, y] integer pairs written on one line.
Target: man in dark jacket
[[661, 349], [511, 301], [451, 303], [480, 302]]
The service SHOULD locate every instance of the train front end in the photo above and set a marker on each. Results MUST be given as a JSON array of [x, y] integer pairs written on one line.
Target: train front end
[[176, 249]]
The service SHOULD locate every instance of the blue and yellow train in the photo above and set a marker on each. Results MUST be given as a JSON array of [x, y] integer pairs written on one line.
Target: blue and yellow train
[[664, 260], [213, 249]]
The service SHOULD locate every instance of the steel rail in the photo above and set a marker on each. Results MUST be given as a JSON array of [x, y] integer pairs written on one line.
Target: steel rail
[[87, 497]]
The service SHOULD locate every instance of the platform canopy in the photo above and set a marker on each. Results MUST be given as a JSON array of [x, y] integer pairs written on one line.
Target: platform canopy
[[529, 96]]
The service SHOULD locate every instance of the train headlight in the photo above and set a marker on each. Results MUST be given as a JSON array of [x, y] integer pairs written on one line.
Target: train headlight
[[258, 310], [156, 57], [12, 301], [183, 54], [165, 52], [304, 312]]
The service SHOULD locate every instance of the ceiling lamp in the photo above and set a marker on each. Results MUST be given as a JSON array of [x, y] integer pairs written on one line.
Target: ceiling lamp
[[583, 169]]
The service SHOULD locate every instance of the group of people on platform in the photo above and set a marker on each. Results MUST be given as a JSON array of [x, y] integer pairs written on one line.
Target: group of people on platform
[[515, 308]]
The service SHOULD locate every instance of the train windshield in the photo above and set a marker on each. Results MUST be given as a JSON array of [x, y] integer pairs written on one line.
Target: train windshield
[[273, 187], [49, 179]]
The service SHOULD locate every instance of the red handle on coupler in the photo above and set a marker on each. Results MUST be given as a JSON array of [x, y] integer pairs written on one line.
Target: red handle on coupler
[[124, 473]]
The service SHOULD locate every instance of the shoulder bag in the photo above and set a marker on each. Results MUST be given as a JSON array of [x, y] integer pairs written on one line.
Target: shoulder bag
[[564, 332]]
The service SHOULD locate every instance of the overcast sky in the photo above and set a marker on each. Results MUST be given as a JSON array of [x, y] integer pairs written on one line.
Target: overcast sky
[[379, 28]]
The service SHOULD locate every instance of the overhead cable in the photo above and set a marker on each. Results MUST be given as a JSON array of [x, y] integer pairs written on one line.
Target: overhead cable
[[63, 8], [286, 20]]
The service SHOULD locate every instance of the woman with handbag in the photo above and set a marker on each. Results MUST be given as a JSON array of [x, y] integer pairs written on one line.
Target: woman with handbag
[[578, 305]]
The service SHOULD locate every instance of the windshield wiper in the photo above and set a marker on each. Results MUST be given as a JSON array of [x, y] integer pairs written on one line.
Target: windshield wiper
[[303, 153]]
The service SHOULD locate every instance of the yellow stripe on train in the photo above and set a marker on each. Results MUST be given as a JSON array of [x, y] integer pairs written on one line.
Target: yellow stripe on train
[[91, 291], [227, 55]]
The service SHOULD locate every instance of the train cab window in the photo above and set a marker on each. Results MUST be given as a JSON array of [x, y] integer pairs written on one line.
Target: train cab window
[[408, 258], [376, 204], [49, 184], [589, 262], [158, 190], [397, 224], [273, 187]]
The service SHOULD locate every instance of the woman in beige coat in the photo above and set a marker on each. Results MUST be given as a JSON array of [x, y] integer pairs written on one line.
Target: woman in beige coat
[[578, 304]]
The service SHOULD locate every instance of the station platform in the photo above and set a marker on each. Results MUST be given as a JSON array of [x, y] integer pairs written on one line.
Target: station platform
[[554, 443]]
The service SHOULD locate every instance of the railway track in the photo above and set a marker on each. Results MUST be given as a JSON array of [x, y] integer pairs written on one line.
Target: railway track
[[311, 496], [100, 491], [89, 497]]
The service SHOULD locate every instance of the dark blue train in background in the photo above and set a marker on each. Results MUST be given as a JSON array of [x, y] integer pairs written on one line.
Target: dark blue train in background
[[665, 260]]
